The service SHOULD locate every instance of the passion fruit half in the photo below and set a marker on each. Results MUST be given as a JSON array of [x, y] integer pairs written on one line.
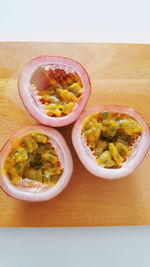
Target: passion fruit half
[[36, 164], [111, 141], [54, 90]]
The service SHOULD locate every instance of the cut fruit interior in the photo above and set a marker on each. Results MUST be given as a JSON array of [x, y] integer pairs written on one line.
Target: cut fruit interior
[[111, 141], [111, 137], [54, 90], [36, 164], [58, 90]]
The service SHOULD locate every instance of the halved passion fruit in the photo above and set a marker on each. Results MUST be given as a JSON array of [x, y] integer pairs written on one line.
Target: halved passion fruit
[[54, 90], [36, 164], [111, 141]]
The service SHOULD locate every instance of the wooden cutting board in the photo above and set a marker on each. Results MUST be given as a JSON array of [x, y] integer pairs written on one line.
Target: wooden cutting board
[[120, 74]]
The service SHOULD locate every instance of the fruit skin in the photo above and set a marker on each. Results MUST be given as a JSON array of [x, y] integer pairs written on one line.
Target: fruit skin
[[133, 161], [64, 156], [37, 111]]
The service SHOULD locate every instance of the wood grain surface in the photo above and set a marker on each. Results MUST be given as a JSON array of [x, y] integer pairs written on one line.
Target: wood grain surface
[[120, 74]]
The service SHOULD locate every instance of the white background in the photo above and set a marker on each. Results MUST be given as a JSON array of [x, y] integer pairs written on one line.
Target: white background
[[78, 20]]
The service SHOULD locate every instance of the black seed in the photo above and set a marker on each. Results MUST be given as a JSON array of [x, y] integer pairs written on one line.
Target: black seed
[[105, 114]]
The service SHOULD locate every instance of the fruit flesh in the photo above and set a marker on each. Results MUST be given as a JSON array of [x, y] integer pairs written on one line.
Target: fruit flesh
[[58, 90], [33, 158], [111, 137]]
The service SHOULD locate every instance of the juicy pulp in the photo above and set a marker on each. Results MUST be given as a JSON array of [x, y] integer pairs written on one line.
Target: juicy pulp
[[111, 137], [60, 91], [33, 157]]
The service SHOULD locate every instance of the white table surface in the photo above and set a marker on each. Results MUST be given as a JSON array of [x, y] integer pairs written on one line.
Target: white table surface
[[78, 20]]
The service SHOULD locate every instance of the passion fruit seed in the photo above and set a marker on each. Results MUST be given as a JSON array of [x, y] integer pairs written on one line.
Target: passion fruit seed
[[111, 136], [34, 158], [64, 90]]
